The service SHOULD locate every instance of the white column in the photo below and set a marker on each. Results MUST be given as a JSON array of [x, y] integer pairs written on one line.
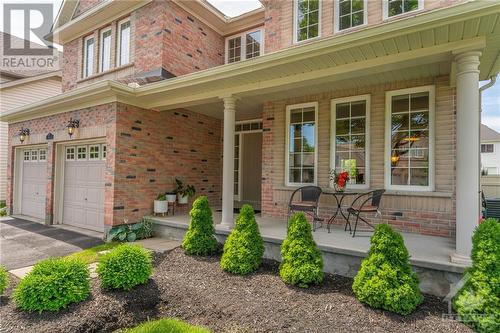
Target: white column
[[228, 163], [468, 143]]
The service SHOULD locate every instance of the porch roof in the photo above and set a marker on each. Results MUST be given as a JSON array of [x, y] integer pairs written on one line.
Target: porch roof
[[416, 47]]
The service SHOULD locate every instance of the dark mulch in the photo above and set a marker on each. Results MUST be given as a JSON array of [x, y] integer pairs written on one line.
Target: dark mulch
[[196, 290]]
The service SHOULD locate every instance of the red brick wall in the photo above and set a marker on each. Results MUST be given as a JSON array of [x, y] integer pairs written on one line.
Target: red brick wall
[[84, 5]]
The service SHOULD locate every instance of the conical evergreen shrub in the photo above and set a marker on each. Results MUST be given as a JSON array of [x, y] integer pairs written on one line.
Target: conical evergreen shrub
[[385, 279], [478, 302], [301, 264], [244, 247], [200, 237]]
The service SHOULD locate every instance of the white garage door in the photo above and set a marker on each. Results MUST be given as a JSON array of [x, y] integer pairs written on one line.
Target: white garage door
[[84, 186], [34, 183]]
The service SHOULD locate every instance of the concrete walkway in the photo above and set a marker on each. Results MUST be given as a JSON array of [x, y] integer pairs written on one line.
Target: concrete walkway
[[23, 243]]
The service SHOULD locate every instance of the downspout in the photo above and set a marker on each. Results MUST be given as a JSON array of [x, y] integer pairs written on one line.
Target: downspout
[[493, 80]]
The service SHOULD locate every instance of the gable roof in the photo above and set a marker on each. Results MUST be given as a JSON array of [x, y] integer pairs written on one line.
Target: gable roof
[[489, 134]]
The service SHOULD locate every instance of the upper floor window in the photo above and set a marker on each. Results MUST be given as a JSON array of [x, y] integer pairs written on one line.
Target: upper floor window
[[487, 148], [88, 56], [124, 42], [350, 13], [397, 7], [105, 50], [244, 46], [307, 20]]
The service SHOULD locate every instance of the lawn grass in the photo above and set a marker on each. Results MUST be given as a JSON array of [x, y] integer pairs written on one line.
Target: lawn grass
[[91, 255], [166, 326]]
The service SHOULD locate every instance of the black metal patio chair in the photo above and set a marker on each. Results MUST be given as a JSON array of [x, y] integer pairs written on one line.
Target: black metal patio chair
[[368, 202], [305, 199]]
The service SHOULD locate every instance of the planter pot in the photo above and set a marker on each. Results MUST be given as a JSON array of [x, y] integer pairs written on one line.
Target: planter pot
[[182, 199], [171, 197], [160, 207]]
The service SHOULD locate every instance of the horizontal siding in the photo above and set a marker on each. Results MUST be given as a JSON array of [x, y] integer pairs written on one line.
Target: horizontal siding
[[28, 93]]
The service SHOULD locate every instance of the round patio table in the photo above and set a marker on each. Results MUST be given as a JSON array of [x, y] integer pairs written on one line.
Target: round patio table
[[339, 197]]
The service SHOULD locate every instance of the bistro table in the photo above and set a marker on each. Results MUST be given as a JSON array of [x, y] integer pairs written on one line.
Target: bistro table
[[339, 197]]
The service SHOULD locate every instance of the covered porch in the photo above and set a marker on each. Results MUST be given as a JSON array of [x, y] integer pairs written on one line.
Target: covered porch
[[342, 253]]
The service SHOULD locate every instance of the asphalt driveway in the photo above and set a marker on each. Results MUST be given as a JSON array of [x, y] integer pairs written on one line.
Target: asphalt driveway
[[23, 243]]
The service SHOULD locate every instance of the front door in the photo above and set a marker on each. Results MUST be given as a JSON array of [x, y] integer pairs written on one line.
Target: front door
[[251, 169]]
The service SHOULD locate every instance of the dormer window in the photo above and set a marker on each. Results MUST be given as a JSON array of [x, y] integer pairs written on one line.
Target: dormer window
[[244, 46], [88, 56], [307, 19], [397, 7]]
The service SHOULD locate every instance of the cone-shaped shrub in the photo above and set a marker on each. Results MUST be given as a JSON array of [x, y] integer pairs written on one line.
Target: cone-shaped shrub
[[200, 237], [478, 302], [244, 247], [385, 279], [301, 263]]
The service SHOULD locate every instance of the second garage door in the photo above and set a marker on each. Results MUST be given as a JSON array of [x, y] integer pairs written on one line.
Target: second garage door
[[84, 186]]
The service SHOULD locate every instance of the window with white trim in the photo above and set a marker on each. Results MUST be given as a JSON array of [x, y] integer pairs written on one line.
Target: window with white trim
[[350, 13], [34, 155], [105, 50], [42, 154], [124, 42], [350, 138], [26, 155], [301, 139], [487, 148], [397, 7], [103, 152], [246, 45], [88, 56], [70, 153], [409, 139], [81, 153], [307, 19], [94, 152]]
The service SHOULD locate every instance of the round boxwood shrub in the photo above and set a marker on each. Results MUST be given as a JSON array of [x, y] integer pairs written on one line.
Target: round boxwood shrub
[[301, 264], [385, 279], [4, 279], [200, 237], [52, 285], [125, 267], [166, 325], [478, 302], [244, 247]]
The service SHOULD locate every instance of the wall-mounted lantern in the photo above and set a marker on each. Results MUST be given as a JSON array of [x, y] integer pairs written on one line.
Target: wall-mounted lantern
[[72, 125], [23, 134]]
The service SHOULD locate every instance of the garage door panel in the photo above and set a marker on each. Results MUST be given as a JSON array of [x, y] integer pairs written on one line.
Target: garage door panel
[[33, 188]]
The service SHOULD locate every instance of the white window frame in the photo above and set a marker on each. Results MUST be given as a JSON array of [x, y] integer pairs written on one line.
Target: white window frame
[[385, 10], [86, 153], [34, 153], [337, 17], [101, 48], [90, 158], [333, 116], [388, 138], [295, 25], [86, 58], [119, 42], [243, 37], [487, 144], [27, 155], [73, 153], [44, 154], [103, 151], [289, 108]]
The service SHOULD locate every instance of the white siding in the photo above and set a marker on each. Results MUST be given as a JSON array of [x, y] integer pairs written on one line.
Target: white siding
[[491, 161]]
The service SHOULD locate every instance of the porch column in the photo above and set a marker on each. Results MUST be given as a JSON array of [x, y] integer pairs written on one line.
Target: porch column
[[228, 163], [468, 142]]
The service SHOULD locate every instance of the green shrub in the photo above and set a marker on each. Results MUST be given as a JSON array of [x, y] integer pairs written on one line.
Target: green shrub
[[301, 264], [4, 279], [125, 267], [131, 232], [244, 247], [52, 285], [200, 237], [385, 279], [166, 326], [478, 302]]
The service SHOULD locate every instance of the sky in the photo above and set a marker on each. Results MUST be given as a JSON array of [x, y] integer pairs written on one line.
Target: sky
[[490, 101]]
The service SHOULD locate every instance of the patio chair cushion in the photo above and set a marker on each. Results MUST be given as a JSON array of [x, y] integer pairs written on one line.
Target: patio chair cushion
[[365, 209], [303, 205]]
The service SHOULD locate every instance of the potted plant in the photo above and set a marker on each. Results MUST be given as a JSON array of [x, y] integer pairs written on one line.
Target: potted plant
[[339, 180], [184, 192], [171, 196], [160, 204]]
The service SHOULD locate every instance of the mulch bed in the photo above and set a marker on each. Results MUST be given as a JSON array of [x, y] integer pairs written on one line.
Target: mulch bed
[[198, 291]]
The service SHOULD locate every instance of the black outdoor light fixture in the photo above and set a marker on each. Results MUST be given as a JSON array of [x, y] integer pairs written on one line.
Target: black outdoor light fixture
[[72, 125], [23, 133]]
